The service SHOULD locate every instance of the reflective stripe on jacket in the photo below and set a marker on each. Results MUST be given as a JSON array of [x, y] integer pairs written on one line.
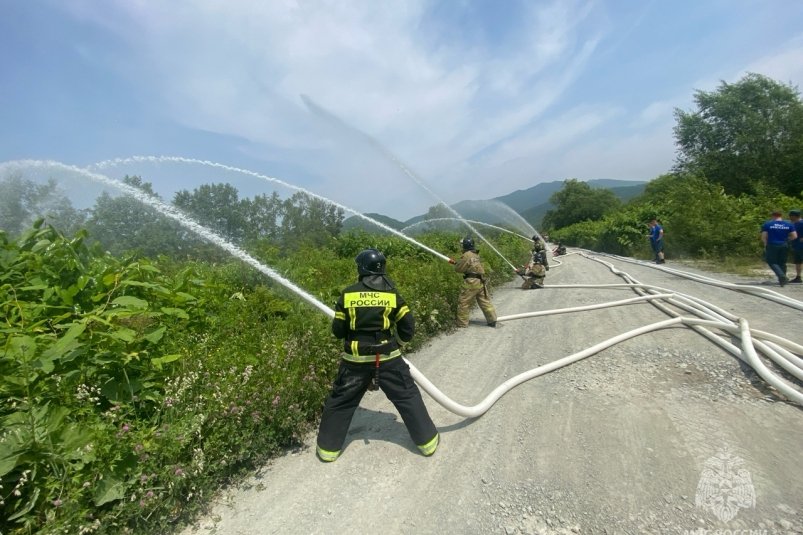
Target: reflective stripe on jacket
[[365, 319]]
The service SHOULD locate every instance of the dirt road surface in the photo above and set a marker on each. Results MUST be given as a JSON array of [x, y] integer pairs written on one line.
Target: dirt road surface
[[664, 433]]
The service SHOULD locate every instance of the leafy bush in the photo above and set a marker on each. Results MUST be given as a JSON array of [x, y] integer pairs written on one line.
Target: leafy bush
[[134, 388], [81, 357], [127, 392], [699, 220]]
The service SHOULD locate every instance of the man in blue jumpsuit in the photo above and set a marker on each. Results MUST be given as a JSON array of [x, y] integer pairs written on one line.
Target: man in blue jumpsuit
[[365, 316], [797, 245], [657, 240], [776, 235]]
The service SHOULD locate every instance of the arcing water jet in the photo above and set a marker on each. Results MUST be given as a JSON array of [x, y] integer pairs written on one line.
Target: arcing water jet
[[776, 348], [439, 219], [173, 213], [179, 159], [515, 215], [318, 110]]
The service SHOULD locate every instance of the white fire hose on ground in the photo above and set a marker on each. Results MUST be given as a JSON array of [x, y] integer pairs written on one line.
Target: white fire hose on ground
[[785, 353]]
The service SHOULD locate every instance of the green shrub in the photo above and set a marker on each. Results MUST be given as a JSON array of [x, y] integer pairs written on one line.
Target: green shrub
[[699, 220], [134, 388], [83, 355]]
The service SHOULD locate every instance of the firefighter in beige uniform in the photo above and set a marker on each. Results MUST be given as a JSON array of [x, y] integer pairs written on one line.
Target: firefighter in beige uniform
[[474, 286], [534, 272]]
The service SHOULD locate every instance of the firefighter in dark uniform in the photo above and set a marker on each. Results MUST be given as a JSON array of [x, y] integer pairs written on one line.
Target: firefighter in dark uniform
[[366, 315], [534, 272], [474, 287]]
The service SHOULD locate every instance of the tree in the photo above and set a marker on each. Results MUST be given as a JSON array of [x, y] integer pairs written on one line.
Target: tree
[[307, 220], [23, 201], [660, 187], [744, 135], [263, 214], [124, 224], [576, 202], [216, 206], [439, 211]]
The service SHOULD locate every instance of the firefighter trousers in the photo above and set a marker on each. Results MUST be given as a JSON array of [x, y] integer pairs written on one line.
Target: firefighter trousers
[[474, 290], [534, 278], [348, 389]]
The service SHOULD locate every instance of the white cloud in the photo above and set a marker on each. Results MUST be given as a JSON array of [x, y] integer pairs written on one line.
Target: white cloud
[[475, 122], [553, 135], [219, 64], [784, 65], [640, 156], [654, 112]]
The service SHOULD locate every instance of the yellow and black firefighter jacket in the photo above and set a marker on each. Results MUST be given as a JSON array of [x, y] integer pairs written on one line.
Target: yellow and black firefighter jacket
[[366, 315]]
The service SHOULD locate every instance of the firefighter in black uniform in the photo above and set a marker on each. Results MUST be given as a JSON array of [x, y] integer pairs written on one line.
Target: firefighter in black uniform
[[365, 316]]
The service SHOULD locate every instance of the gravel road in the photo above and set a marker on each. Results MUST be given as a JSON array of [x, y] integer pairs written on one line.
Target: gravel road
[[663, 433]]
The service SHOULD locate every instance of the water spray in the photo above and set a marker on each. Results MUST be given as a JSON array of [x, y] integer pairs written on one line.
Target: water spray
[[180, 159], [440, 219], [173, 213], [318, 110], [498, 208], [517, 216], [776, 348]]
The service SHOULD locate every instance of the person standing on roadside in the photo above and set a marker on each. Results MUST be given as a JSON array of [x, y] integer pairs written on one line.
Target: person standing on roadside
[[366, 315], [776, 235], [474, 286], [657, 240], [797, 245]]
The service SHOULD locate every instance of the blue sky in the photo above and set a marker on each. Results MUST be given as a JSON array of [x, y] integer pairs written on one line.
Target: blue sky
[[477, 98]]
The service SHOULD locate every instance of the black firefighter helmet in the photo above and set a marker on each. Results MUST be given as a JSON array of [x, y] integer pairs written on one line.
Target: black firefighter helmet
[[370, 262], [468, 243]]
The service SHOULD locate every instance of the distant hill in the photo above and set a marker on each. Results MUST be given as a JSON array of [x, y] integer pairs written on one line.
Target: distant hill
[[535, 214], [358, 222], [531, 203], [529, 199], [522, 200], [628, 192], [415, 219]]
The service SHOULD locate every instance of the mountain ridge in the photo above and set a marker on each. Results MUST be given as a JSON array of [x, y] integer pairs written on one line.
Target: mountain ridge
[[530, 203]]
